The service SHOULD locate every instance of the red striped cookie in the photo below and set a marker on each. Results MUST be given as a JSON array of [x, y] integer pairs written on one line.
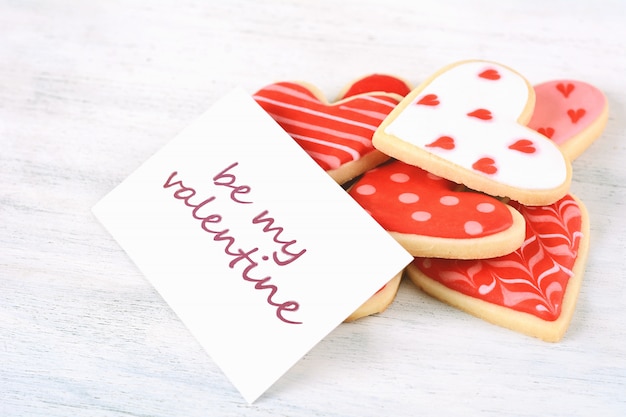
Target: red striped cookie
[[532, 290], [338, 136]]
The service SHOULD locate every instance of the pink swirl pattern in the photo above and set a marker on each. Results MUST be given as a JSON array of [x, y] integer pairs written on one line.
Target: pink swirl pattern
[[533, 278]]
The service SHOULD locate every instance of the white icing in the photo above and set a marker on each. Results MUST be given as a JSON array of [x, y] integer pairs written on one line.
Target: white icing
[[460, 91]]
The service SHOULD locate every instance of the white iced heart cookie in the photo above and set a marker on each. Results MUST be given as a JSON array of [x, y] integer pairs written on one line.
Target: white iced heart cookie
[[467, 123]]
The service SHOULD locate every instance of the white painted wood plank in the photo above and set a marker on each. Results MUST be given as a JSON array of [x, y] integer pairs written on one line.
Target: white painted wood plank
[[89, 90]]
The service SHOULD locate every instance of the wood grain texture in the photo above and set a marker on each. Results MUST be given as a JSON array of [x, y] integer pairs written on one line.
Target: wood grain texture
[[89, 90]]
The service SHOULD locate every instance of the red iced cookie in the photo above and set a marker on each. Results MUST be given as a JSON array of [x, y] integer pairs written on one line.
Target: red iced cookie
[[430, 216], [338, 136], [532, 290], [377, 82]]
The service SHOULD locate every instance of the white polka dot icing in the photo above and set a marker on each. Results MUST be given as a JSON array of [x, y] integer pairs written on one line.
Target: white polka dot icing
[[449, 200], [366, 189], [485, 207], [399, 177], [473, 228], [407, 199], [421, 216]]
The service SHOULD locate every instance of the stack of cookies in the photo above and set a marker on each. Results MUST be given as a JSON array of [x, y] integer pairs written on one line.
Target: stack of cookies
[[470, 172]]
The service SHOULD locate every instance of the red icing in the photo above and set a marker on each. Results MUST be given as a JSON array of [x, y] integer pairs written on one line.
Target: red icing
[[332, 134], [547, 131], [443, 142], [576, 115], [406, 199], [558, 101], [524, 146], [533, 278], [486, 165], [565, 88], [490, 74], [378, 82], [482, 114], [429, 100]]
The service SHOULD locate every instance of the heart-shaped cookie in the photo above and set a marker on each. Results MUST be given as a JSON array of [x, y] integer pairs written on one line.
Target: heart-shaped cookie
[[532, 290], [378, 302], [571, 113], [430, 216], [338, 136], [483, 107]]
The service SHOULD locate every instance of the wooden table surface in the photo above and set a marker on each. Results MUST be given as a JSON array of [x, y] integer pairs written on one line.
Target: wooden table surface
[[89, 90]]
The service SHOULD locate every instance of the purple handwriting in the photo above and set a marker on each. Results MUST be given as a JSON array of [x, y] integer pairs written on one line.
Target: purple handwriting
[[210, 222]]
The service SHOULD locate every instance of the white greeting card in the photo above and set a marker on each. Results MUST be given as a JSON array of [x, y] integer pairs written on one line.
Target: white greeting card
[[257, 250]]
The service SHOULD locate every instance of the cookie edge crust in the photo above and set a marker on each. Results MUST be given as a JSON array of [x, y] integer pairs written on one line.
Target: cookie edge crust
[[497, 244], [378, 302]]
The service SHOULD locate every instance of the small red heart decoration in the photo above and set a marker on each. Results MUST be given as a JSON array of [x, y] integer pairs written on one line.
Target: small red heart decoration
[[575, 115], [444, 142], [482, 114], [546, 131], [490, 74], [565, 89], [429, 100], [486, 165], [524, 146]]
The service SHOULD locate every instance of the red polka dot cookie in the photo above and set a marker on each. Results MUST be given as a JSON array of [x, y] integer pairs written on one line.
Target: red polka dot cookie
[[431, 216], [467, 123], [338, 136], [571, 113], [532, 290]]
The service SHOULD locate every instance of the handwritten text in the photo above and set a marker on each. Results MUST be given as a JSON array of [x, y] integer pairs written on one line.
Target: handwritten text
[[245, 260]]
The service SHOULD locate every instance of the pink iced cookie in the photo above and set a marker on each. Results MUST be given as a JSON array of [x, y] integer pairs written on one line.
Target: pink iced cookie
[[571, 113], [467, 123], [532, 290]]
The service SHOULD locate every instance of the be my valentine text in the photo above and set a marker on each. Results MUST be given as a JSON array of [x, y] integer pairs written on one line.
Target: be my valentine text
[[245, 261]]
